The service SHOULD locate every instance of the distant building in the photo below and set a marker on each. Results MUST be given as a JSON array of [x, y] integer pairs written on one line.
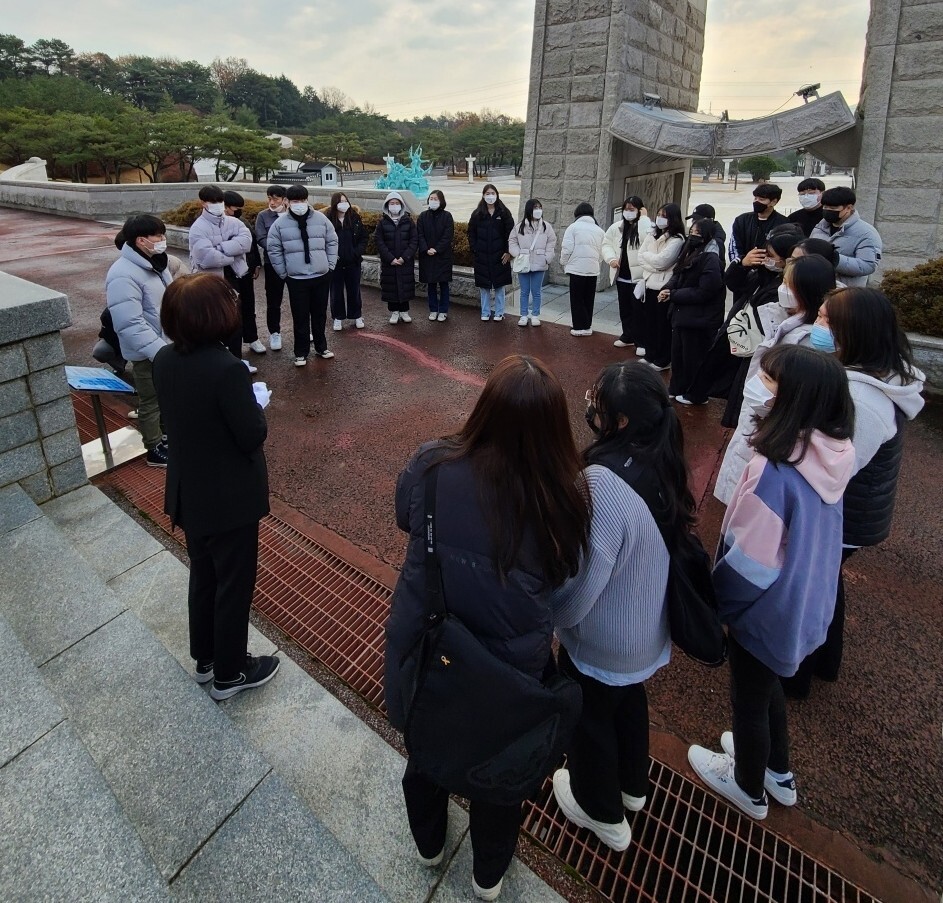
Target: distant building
[[327, 175]]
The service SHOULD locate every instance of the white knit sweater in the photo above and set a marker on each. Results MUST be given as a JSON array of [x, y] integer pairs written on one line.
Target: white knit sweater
[[612, 616]]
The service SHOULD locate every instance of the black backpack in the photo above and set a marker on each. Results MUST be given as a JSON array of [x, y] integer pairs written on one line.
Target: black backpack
[[692, 605]]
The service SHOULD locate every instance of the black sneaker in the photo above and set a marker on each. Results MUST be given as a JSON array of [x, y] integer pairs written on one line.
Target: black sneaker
[[257, 671], [204, 671], [157, 456]]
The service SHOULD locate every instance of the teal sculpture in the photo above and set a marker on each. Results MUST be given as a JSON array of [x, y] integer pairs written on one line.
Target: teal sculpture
[[414, 178]]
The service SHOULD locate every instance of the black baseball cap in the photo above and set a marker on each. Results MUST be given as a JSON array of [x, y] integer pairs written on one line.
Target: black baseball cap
[[703, 211]]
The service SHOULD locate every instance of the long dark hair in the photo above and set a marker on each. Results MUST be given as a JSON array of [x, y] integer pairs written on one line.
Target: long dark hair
[[811, 279], [675, 221], [811, 394], [333, 215], [529, 215], [652, 436], [499, 205], [867, 335], [629, 230], [520, 445], [706, 229]]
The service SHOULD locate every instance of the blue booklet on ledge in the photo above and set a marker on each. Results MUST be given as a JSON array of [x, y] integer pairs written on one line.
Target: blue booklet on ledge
[[96, 379]]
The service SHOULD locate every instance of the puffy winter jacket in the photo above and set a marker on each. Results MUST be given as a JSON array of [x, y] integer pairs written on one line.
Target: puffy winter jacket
[[859, 247], [134, 290], [217, 242], [540, 243], [286, 250], [510, 617], [397, 239], [657, 257], [581, 250], [698, 294], [352, 239], [436, 230], [612, 246], [488, 239]]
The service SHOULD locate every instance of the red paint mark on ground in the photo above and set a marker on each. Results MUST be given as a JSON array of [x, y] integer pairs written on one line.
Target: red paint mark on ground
[[427, 360]]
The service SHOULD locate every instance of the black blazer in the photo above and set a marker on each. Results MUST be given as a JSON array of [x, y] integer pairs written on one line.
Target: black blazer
[[216, 474]]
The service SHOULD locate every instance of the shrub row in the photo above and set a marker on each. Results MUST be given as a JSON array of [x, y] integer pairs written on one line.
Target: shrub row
[[918, 297]]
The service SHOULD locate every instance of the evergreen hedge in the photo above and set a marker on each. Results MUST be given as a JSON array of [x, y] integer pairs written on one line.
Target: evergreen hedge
[[917, 296]]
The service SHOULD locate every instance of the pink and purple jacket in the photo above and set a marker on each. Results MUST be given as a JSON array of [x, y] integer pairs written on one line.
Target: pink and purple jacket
[[776, 571]]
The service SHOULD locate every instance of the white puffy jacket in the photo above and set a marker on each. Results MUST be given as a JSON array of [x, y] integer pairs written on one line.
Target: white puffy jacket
[[657, 257], [581, 251]]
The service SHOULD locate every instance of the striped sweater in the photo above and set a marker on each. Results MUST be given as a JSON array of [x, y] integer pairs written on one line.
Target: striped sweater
[[611, 618]]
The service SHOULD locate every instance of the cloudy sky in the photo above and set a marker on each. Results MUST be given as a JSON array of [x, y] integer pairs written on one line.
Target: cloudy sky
[[410, 57]]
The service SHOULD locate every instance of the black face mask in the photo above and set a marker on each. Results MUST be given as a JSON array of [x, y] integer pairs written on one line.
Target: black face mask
[[590, 415], [759, 208], [831, 216], [695, 241]]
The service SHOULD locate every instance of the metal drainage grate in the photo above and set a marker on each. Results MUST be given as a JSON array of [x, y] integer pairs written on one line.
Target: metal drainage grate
[[85, 419], [687, 846]]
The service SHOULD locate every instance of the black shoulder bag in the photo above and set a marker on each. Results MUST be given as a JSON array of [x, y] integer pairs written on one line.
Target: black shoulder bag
[[476, 725], [692, 605]]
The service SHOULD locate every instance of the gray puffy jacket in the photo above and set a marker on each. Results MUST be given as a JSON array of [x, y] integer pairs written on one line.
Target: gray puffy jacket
[[134, 290], [217, 242], [286, 251]]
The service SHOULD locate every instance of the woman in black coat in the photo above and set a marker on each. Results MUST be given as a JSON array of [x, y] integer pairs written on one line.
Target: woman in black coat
[[397, 241], [352, 238], [436, 232], [695, 294], [489, 228], [217, 482], [512, 521]]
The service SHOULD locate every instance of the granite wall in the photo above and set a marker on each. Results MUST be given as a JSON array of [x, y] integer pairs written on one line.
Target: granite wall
[[588, 58]]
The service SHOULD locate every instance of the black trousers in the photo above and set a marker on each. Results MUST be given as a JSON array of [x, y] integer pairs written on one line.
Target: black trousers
[[689, 347], [716, 373], [223, 568], [657, 329], [630, 310], [582, 299], [608, 754], [825, 662], [308, 301], [760, 732], [274, 292], [494, 829], [245, 286], [345, 281]]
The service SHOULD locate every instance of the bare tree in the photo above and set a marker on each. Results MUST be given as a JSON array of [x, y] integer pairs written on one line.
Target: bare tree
[[225, 72], [333, 97]]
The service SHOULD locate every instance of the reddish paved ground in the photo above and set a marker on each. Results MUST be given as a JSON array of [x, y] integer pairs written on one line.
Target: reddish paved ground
[[867, 750]]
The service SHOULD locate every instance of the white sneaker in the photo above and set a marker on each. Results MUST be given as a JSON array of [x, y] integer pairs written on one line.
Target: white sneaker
[[257, 347], [338, 325], [394, 318], [433, 316], [581, 332], [615, 836], [782, 789], [620, 344], [639, 351], [133, 415], [442, 317], [249, 367], [275, 341], [535, 321], [359, 323], [434, 861], [657, 368], [634, 803], [523, 320], [485, 318], [487, 893], [498, 318], [716, 770], [405, 317], [301, 362], [327, 355]]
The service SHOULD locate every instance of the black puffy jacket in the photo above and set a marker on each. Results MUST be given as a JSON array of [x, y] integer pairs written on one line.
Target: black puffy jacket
[[436, 230], [512, 618], [698, 294], [488, 240], [397, 283]]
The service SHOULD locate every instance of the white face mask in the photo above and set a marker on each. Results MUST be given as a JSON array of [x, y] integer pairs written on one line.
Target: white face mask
[[490, 198], [395, 209], [343, 206], [808, 201], [538, 213], [772, 265], [787, 300], [299, 209], [216, 209], [276, 206], [159, 246], [632, 215], [661, 222], [757, 396], [433, 204]]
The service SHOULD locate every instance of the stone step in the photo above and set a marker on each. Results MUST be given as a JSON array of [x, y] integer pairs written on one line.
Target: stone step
[[106, 718], [345, 773]]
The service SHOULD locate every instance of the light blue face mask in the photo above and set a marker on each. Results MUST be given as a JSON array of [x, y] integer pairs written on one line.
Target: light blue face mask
[[822, 339]]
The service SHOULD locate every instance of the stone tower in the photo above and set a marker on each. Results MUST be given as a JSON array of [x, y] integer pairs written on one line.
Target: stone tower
[[587, 59]]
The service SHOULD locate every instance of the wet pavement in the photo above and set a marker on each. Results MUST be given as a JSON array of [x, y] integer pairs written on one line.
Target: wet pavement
[[866, 750]]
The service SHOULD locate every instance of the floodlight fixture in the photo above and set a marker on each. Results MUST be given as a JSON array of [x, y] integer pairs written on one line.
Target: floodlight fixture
[[650, 101], [808, 91]]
